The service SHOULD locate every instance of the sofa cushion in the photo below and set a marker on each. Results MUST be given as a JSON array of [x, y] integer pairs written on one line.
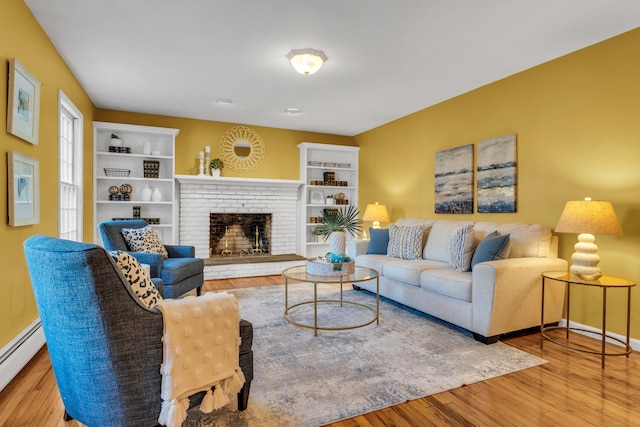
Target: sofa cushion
[[144, 239], [447, 282], [491, 248], [376, 262], [177, 269], [437, 247], [379, 240], [461, 248], [409, 271], [526, 240], [405, 241]]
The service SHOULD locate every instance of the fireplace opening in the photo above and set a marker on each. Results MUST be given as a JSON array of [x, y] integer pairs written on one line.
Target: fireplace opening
[[239, 235]]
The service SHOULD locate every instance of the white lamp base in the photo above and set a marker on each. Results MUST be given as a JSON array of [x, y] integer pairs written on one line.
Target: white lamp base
[[376, 224], [586, 259]]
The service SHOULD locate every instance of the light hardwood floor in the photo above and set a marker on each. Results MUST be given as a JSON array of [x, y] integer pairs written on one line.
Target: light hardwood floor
[[570, 390]]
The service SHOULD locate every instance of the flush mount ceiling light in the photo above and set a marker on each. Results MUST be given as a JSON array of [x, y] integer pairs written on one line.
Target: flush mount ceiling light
[[306, 61], [292, 110], [224, 101]]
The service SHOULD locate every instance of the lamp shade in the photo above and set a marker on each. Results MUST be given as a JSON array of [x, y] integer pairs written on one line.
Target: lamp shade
[[306, 61], [589, 216], [376, 213]]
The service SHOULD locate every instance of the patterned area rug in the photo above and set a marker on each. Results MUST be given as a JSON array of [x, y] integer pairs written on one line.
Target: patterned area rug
[[302, 380]]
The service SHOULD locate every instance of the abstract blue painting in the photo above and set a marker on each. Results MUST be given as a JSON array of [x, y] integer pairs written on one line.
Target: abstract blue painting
[[454, 181], [497, 174]]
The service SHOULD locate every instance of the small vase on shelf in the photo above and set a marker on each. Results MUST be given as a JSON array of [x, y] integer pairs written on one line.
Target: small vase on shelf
[[156, 196], [146, 148], [215, 173], [145, 195]]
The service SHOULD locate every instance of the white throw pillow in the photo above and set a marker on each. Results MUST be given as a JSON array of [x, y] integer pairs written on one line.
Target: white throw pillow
[[437, 247], [137, 277], [144, 239], [405, 242], [461, 248]]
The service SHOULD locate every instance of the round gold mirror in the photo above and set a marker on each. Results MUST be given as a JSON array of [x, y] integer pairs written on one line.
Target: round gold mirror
[[241, 149]]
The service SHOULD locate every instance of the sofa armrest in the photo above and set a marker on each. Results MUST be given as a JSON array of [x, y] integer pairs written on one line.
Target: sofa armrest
[[357, 247], [507, 294], [181, 251], [155, 261]]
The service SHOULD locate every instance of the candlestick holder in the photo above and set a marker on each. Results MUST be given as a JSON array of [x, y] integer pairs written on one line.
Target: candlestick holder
[[207, 162], [201, 168]]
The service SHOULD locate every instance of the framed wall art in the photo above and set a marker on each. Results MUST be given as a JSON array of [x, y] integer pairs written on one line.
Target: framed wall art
[[23, 189], [454, 180], [23, 103], [497, 174]]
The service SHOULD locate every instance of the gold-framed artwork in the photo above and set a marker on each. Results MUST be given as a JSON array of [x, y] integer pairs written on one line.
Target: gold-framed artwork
[[23, 189], [23, 103]]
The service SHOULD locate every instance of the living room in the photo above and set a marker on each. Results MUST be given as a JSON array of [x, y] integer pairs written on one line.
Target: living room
[[575, 118]]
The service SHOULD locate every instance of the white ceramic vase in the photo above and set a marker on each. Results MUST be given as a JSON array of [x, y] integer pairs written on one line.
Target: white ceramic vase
[[145, 195], [116, 142], [146, 148], [337, 242], [156, 196], [215, 173]]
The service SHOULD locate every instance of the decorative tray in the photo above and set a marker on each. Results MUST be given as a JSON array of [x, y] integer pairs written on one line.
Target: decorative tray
[[117, 172], [330, 269]]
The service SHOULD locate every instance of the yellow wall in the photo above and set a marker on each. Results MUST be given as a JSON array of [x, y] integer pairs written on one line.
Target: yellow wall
[[281, 152], [577, 121], [23, 39]]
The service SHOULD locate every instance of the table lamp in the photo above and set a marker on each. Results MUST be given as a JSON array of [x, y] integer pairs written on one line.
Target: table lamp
[[586, 218], [376, 213]]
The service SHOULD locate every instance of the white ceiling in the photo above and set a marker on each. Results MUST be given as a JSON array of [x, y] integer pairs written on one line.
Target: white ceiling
[[387, 58]]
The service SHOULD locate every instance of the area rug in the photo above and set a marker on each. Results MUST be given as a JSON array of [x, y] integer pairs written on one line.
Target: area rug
[[302, 380]]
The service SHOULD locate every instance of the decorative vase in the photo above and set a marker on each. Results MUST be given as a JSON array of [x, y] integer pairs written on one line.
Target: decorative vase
[[329, 201], [146, 148], [337, 242], [156, 196], [116, 142], [215, 173], [145, 195]]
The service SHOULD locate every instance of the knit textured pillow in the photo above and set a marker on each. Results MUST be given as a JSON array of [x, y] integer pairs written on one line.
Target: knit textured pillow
[[137, 278], [144, 239], [405, 241], [461, 248]]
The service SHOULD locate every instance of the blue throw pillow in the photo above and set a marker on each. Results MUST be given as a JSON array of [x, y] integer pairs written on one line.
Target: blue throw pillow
[[491, 248], [379, 240]]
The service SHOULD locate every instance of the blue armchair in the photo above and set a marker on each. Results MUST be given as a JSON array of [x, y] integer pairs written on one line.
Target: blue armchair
[[180, 273], [105, 346]]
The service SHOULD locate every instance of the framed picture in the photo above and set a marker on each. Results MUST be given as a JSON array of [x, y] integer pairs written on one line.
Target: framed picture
[[23, 103], [497, 175], [454, 181], [316, 197], [24, 189]]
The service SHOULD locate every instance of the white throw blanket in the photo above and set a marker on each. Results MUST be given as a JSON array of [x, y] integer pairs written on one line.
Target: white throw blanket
[[201, 344]]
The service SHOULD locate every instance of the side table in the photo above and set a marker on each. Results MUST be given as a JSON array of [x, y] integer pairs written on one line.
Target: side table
[[605, 282]]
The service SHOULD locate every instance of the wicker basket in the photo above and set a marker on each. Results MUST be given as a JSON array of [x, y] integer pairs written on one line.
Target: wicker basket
[[332, 269], [117, 172]]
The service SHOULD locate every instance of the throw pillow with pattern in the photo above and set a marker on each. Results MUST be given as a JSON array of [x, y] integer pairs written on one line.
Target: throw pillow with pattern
[[405, 241], [461, 248], [144, 239], [137, 278]]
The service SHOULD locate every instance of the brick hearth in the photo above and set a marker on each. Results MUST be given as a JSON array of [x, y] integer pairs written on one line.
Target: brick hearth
[[200, 196]]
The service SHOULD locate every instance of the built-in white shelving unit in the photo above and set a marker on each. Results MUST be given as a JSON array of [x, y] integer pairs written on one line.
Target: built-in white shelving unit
[[146, 143], [317, 163]]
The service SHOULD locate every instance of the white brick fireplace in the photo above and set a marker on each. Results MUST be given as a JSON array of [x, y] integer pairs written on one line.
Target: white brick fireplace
[[201, 195]]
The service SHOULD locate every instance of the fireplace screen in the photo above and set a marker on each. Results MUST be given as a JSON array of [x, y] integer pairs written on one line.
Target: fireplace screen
[[233, 235]]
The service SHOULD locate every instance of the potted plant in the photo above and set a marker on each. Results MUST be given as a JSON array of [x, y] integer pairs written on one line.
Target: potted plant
[[337, 222], [216, 166], [329, 200]]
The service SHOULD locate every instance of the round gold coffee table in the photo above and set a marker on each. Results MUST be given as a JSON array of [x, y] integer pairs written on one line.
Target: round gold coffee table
[[299, 274]]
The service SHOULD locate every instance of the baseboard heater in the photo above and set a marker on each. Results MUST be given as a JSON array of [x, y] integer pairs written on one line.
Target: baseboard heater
[[19, 351]]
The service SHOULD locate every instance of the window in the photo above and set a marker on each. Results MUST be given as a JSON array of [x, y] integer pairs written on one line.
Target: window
[[70, 170]]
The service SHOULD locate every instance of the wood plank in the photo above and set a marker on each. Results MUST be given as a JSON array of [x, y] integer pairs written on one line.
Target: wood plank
[[571, 389]]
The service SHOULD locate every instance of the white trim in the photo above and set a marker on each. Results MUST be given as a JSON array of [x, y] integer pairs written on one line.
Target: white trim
[[18, 352], [633, 342], [254, 182]]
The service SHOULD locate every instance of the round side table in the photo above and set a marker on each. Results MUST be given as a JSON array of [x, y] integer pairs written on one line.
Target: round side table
[[605, 283]]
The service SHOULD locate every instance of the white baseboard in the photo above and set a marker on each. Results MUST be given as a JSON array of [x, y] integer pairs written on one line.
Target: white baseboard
[[19, 351], [634, 343]]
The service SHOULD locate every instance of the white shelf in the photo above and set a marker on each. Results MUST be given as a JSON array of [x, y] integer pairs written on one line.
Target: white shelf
[[160, 140], [325, 153]]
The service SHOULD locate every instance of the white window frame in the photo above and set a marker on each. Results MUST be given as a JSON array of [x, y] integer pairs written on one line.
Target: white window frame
[[65, 104]]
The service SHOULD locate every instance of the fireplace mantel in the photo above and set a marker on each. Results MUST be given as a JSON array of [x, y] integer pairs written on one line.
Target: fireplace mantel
[[255, 182]]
